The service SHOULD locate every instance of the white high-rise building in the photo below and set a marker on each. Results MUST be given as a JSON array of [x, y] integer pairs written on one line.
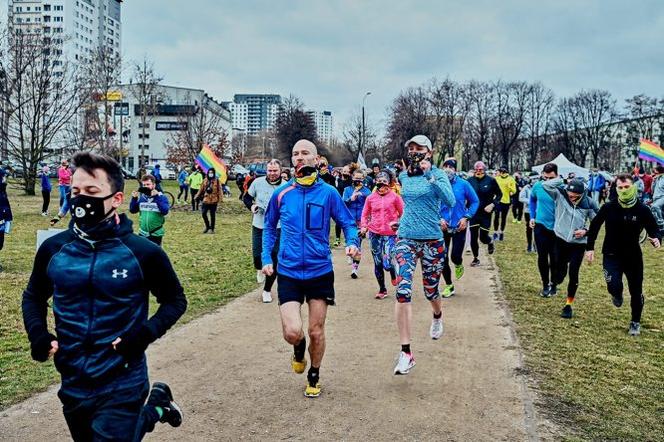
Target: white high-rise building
[[253, 113], [81, 26], [323, 121]]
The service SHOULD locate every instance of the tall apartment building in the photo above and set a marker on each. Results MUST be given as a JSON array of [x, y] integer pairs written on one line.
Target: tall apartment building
[[323, 120], [254, 112], [81, 26]]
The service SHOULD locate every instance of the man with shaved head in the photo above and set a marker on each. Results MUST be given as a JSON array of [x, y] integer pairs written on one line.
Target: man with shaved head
[[304, 207]]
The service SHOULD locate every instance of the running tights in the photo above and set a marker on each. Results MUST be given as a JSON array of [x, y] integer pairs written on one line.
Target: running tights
[[517, 210], [568, 255], [529, 231], [630, 265], [479, 230], [500, 218], [455, 253], [545, 241], [212, 210]]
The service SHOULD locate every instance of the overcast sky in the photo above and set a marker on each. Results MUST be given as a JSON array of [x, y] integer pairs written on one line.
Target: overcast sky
[[329, 53]]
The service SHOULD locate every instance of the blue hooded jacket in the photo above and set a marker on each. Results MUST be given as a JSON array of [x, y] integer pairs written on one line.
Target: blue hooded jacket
[[305, 212], [466, 204], [542, 206], [356, 206]]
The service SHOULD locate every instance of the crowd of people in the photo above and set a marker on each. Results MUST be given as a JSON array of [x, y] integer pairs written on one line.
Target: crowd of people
[[98, 273]]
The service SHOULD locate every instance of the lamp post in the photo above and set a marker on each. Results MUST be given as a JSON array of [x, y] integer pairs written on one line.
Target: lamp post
[[362, 140]]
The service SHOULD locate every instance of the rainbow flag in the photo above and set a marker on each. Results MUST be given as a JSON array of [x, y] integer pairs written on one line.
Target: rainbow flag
[[649, 151], [207, 159]]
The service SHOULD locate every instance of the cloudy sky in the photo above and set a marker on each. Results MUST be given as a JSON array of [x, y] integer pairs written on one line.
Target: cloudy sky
[[329, 53]]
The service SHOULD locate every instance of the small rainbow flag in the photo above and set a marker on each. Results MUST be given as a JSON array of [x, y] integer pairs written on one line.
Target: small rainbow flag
[[207, 159], [649, 151]]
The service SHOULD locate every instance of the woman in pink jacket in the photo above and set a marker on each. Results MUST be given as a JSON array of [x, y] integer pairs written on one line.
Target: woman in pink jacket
[[64, 182], [380, 217]]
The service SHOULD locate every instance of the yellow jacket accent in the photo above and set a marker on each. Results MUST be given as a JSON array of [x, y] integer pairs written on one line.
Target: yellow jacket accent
[[507, 187]]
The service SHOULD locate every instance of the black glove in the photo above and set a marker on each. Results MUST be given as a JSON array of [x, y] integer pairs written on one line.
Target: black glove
[[134, 342], [40, 347]]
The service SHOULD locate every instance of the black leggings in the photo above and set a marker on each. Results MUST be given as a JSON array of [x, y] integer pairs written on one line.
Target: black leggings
[[337, 231], [631, 265], [545, 240], [2, 239], [46, 196], [455, 253], [212, 210], [517, 210], [183, 190], [568, 254], [529, 230], [501, 212], [194, 202], [257, 250], [480, 229]]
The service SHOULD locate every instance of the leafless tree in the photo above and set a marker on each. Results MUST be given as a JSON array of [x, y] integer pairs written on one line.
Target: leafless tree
[[354, 138], [39, 95], [144, 87], [479, 133], [540, 105], [511, 103], [407, 116], [293, 124], [449, 104], [596, 111], [199, 125]]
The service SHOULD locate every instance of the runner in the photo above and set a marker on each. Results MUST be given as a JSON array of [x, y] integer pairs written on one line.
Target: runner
[[524, 198], [343, 181], [195, 180], [210, 194], [64, 182], [454, 221], [325, 174], [153, 207], [99, 275], [260, 191], [487, 190], [182, 182], [508, 188], [425, 189], [542, 219], [304, 206], [596, 185], [156, 173], [354, 196], [624, 219], [517, 205], [380, 219], [574, 211]]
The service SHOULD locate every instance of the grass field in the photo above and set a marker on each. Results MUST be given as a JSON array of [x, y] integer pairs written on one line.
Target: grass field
[[598, 383], [213, 270]]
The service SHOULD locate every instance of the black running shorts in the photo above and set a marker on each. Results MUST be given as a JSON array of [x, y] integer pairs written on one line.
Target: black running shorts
[[299, 290]]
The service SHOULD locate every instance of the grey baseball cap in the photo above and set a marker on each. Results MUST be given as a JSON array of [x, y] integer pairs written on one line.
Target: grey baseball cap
[[420, 140]]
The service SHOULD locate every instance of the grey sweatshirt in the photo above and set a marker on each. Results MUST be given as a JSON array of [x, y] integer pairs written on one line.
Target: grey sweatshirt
[[261, 191], [658, 189], [570, 217]]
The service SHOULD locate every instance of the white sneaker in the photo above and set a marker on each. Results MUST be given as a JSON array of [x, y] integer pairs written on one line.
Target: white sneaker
[[404, 363], [260, 277], [267, 297], [349, 260], [436, 330]]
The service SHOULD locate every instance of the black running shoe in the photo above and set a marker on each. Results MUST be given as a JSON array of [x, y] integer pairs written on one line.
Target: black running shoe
[[545, 292], [553, 291], [475, 262], [567, 312], [161, 396], [617, 300], [492, 247]]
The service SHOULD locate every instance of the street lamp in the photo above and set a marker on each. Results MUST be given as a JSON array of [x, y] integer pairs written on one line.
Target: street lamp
[[364, 101]]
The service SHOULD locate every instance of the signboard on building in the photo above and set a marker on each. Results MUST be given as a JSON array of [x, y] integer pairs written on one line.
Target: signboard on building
[[112, 96], [121, 109], [172, 125]]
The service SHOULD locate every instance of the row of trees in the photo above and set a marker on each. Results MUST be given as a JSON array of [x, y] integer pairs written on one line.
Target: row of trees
[[521, 124]]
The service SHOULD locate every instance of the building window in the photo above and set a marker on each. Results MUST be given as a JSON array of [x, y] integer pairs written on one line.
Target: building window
[[141, 125], [144, 137], [47, 7]]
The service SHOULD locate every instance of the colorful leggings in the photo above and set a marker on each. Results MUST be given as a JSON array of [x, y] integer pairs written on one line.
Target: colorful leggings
[[432, 257], [381, 249]]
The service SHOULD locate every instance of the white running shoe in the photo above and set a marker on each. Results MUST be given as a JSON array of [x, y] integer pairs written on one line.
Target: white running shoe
[[349, 260], [436, 330], [404, 363], [260, 277], [267, 297]]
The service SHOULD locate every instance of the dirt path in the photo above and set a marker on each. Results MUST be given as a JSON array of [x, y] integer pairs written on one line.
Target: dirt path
[[230, 372]]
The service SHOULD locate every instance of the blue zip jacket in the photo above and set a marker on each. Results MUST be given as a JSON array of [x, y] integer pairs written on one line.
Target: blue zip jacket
[[182, 177], [466, 204], [596, 182], [356, 206], [542, 206], [100, 292], [305, 212], [45, 183], [423, 196]]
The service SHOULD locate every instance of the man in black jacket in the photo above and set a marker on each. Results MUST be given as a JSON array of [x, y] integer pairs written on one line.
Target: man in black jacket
[[100, 275], [489, 194], [624, 217]]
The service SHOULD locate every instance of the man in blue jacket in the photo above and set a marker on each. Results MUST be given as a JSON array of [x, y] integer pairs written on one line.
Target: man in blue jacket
[[454, 221], [304, 206], [596, 185], [355, 196], [542, 221], [99, 275]]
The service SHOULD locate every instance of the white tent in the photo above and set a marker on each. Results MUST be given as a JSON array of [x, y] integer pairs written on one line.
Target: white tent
[[565, 167]]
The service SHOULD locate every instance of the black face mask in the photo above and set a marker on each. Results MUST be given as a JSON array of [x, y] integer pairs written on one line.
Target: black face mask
[[145, 191], [88, 211], [274, 183], [305, 171], [357, 183], [380, 185], [414, 159]]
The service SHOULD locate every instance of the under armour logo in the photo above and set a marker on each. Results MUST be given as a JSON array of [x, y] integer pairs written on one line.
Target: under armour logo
[[123, 273]]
